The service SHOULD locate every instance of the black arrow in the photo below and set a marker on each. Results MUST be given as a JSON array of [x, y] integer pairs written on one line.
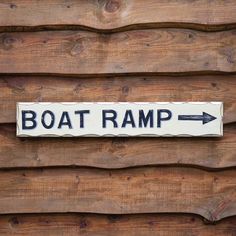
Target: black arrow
[[205, 117]]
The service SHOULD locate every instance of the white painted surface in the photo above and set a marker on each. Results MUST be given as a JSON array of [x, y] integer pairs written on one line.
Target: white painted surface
[[185, 120]]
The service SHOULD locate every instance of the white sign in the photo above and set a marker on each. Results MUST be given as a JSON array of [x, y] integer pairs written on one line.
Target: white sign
[[120, 119]]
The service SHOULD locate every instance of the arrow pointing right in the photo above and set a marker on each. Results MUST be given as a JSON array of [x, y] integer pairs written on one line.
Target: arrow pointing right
[[205, 118]]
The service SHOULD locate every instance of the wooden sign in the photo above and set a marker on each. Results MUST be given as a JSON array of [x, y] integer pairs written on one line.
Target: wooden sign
[[120, 119]]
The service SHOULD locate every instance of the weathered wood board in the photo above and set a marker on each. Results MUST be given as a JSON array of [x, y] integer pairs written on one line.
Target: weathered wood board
[[15, 89], [137, 51], [141, 190], [110, 14], [122, 119], [113, 225], [116, 152], [117, 51]]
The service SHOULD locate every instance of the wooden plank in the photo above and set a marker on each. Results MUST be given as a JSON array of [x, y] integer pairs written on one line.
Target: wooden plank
[[142, 51], [141, 190], [15, 89], [116, 152], [115, 225], [110, 14]]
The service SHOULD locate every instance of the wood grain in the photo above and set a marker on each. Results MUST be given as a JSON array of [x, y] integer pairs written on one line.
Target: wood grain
[[113, 225], [110, 14], [15, 89], [141, 190], [116, 152], [142, 51]]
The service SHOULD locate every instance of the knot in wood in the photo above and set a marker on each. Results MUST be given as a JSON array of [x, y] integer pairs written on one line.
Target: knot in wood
[[14, 221], [112, 6], [83, 223], [76, 49], [125, 90], [13, 6], [8, 41]]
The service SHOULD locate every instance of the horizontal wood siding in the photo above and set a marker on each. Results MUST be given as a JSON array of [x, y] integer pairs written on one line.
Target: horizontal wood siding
[[138, 51], [140, 190], [113, 225], [114, 51], [112, 14]]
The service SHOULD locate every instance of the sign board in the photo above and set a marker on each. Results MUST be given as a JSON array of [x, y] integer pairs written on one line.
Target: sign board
[[150, 119]]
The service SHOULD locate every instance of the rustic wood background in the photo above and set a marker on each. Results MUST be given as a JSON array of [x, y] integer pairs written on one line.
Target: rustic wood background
[[117, 50]]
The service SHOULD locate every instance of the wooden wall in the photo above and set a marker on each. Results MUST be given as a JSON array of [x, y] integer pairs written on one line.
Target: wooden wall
[[117, 50]]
